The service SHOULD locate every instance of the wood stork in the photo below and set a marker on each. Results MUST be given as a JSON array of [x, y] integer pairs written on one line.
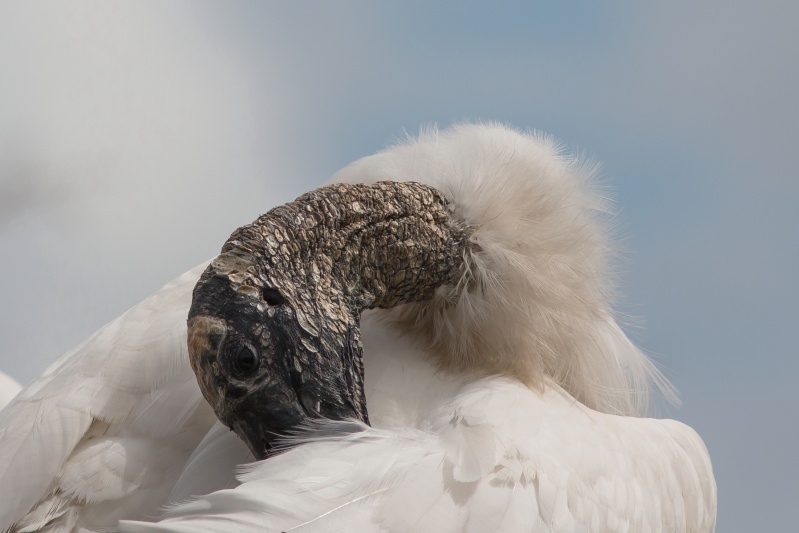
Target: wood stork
[[501, 393]]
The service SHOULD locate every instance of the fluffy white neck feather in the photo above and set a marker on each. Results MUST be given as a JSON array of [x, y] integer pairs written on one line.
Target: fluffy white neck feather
[[535, 302]]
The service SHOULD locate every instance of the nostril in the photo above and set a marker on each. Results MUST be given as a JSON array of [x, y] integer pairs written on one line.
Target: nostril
[[272, 296]]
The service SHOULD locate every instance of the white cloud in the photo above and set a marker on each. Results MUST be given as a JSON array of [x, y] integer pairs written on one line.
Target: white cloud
[[129, 150]]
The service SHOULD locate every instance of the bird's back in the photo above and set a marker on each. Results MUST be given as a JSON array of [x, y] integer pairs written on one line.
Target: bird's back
[[449, 453]]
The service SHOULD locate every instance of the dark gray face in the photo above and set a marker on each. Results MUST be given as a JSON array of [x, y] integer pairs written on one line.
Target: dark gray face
[[274, 333], [267, 361]]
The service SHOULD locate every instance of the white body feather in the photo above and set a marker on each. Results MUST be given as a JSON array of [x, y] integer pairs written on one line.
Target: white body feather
[[449, 454], [495, 407]]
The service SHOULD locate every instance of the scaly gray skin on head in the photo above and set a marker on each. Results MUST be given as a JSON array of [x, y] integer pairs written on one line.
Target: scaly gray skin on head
[[274, 334]]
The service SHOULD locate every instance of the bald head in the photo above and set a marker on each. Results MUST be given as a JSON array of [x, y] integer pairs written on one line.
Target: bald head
[[274, 332]]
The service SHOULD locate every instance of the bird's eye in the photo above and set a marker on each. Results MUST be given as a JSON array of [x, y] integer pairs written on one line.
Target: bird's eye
[[241, 360], [272, 296]]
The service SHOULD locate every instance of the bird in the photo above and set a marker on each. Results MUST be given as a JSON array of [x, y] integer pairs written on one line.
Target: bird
[[427, 343]]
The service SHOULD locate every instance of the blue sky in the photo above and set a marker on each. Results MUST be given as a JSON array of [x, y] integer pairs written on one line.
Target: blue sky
[[134, 137]]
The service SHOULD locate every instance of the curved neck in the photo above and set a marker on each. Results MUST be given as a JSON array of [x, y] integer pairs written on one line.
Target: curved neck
[[379, 245]]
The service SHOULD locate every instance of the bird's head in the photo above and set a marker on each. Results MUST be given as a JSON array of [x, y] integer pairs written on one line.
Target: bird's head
[[274, 334]]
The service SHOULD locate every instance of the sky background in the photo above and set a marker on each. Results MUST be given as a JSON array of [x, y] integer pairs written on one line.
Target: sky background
[[134, 137]]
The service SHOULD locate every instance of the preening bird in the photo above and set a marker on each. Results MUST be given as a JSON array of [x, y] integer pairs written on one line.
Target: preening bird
[[426, 344]]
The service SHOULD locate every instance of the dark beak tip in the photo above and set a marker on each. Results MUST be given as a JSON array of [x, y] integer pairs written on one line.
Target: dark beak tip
[[257, 448]]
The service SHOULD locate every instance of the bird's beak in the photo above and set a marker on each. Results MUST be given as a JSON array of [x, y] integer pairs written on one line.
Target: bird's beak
[[260, 428]]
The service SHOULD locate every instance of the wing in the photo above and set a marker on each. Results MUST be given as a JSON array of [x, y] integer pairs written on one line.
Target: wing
[[485, 455], [104, 432], [212, 466]]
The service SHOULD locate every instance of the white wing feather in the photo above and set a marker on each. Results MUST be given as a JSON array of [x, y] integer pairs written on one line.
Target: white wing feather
[[212, 466], [119, 414]]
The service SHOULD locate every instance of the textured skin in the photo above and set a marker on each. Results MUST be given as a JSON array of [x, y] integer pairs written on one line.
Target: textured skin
[[365, 246], [328, 255]]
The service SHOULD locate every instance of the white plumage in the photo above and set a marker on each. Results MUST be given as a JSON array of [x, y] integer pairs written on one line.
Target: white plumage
[[103, 433], [506, 404]]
